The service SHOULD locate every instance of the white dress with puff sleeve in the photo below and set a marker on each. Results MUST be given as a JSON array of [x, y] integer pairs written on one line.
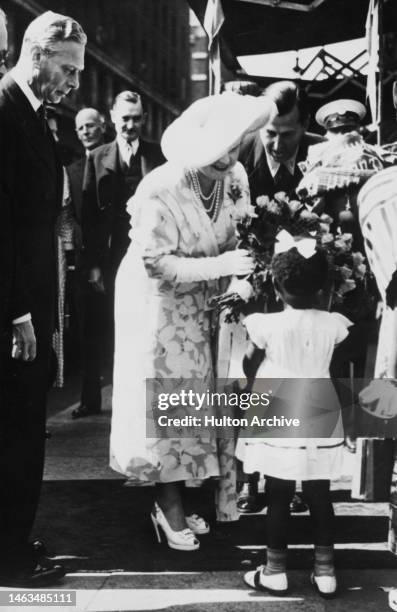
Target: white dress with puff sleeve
[[299, 346]]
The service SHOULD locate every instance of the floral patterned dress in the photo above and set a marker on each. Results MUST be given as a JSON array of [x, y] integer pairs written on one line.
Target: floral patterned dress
[[166, 330]]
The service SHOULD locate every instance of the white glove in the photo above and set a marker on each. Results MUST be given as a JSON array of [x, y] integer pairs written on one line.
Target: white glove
[[190, 269], [235, 263]]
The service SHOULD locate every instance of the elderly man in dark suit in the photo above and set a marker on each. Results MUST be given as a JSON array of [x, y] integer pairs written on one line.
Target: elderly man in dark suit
[[31, 184], [271, 155], [15, 321], [89, 304], [90, 130], [13, 299], [113, 172]]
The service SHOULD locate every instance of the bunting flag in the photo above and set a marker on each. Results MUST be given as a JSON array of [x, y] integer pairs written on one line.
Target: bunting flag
[[372, 35], [213, 20]]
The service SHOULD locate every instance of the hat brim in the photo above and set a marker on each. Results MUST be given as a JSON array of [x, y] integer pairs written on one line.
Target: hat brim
[[212, 126], [340, 107]]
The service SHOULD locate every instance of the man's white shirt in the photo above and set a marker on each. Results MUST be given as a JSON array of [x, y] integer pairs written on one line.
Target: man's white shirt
[[275, 166], [127, 150]]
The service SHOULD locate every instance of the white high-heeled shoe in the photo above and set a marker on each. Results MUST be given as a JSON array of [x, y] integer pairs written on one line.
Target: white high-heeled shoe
[[197, 524], [178, 540], [326, 586]]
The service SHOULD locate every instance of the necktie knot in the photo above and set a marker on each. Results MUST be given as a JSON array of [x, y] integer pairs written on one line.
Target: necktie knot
[[42, 116]]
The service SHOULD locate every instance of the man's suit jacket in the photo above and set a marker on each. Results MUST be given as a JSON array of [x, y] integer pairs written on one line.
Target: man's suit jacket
[[261, 182], [75, 173], [31, 181], [76, 176], [104, 196], [30, 199]]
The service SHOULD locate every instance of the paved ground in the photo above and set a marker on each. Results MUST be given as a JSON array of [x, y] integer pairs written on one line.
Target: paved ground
[[100, 529]]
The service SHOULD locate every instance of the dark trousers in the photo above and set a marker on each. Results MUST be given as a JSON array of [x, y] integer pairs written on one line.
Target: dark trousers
[[88, 332], [317, 495], [94, 331], [22, 442], [96, 314]]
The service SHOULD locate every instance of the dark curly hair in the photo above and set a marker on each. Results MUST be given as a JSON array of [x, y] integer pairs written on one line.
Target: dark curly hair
[[300, 278]]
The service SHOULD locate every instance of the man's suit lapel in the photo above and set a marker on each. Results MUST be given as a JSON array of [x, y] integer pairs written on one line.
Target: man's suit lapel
[[76, 171], [264, 175], [146, 163], [76, 178], [29, 122], [256, 162], [301, 156], [110, 158]]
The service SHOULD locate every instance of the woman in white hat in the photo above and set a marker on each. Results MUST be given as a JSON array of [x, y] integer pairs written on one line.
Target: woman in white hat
[[182, 251]]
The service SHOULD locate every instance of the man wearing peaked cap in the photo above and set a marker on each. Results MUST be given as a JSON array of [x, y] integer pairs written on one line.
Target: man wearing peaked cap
[[341, 116]]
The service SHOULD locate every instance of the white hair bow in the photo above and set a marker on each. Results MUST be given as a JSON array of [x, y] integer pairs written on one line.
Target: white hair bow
[[284, 242]]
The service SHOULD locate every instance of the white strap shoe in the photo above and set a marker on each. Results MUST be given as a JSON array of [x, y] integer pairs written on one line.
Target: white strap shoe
[[326, 586], [178, 540], [276, 584]]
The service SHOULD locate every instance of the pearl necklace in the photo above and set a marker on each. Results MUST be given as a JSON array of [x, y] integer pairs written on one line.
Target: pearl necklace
[[212, 201]]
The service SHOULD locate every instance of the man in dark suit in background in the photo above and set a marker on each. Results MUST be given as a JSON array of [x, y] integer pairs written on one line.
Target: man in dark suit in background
[[271, 156], [88, 303], [90, 130], [113, 172], [31, 183]]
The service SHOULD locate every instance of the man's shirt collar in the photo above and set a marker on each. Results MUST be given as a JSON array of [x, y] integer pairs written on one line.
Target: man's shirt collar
[[126, 149], [274, 166], [16, 74]]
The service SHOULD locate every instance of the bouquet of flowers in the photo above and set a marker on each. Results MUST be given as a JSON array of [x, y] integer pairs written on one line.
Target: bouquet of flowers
[[289, 221]]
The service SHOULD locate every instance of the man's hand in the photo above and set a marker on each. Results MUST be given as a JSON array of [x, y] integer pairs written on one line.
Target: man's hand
[[24, 341], [95, 279]]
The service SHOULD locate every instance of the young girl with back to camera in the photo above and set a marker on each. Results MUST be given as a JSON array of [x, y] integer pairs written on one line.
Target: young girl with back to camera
[[297, 343]]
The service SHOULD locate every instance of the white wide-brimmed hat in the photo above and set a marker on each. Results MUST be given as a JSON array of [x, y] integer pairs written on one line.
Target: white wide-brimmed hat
[[212, 126], [340, 113]]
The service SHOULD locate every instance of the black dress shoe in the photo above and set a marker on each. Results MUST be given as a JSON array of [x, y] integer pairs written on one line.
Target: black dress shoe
[[82, 411], [39, 549], [297, 504], [41, 575]]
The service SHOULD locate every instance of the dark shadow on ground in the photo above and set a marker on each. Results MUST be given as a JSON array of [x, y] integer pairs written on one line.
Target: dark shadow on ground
[[109, 524]]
